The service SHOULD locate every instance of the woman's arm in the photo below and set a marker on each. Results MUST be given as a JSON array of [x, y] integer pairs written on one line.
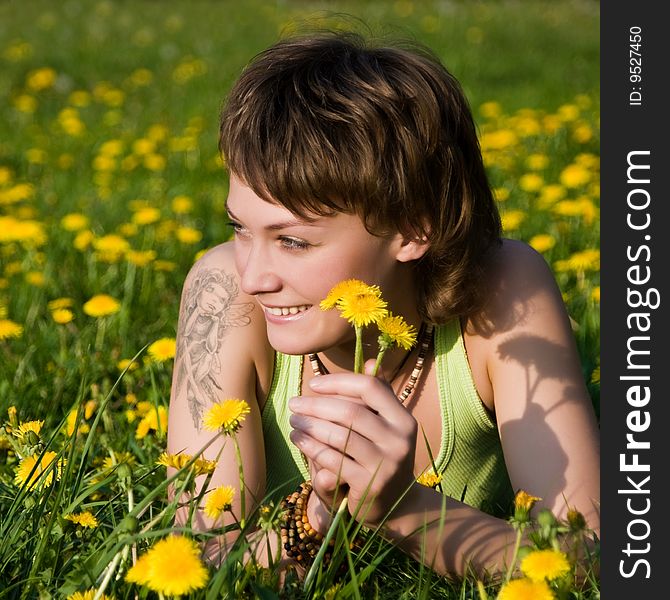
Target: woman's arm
[[547, 426], [222, 353]]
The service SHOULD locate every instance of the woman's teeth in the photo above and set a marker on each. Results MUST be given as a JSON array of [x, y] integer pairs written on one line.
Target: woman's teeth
[[287, 310]]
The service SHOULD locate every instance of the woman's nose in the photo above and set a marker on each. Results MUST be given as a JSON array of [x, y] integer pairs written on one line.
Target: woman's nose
[[256, 273]]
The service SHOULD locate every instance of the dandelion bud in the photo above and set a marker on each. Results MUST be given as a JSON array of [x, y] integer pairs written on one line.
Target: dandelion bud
[[576, 520], [129, 524], [13, 419], [124, 473]]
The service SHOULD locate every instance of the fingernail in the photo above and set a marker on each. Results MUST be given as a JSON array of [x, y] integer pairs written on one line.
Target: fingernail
[[316, 383], [294, 403]]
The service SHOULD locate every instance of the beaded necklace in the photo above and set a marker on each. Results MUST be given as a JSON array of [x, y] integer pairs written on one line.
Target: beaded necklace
[[425, 337]]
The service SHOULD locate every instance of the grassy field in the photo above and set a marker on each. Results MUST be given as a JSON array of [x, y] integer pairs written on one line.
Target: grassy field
[[111, 186]]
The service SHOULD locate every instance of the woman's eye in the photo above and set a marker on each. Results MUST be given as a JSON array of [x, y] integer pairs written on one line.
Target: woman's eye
[[236, 227], [294, 244]]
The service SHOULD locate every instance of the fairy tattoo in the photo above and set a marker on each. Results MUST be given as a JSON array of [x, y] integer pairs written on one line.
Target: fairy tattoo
[[208, 312]]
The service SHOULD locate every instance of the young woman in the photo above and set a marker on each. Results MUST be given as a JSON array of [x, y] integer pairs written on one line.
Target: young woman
[[350, 160]]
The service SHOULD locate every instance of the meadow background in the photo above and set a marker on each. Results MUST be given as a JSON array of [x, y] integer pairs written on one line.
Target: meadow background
[[111, 186]]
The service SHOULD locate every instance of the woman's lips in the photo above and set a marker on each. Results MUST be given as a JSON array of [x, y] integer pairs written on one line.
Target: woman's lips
[[282, 314]]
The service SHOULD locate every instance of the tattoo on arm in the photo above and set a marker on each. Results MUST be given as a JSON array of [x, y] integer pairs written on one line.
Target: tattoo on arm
[[207, 314]]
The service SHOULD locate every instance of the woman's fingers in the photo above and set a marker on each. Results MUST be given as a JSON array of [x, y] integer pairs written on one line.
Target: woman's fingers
[[344, 439], [373, 392], [345, 468], [345, 412]]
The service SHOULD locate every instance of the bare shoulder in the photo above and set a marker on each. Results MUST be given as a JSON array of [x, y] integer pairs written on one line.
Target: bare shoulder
[[520, 287], [544, 413], [221, 340]]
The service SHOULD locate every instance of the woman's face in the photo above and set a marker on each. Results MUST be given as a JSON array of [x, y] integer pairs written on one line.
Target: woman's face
[[290, 265]]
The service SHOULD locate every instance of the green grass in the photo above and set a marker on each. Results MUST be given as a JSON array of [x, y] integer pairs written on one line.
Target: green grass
[[538, 60]]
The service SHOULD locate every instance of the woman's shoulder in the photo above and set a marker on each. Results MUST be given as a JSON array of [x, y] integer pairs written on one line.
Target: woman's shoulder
[[214, 278], [518, 283]]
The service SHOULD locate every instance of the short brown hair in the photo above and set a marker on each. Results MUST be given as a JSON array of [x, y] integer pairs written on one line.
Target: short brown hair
[[333, 122]]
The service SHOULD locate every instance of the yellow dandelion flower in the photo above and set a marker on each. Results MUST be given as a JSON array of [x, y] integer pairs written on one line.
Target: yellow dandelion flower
[[143, 407], [182, 205], [429, 479], [526, 589], [71, 421], [25, 103], [362, 309], [500, 194], [545, 564], [156, 569], [60, 303], [127, 363], [531, 182], [201, 466], [574, 176], [111, 244], [36, 156], [83, 240], [62, 316], [84, 519], [568, 112], [79, 98], [164, 265], [31, 468], [188, 235], [219, 500], [512, 219], [582, 133], [89, 408], [24, 428], [154, 162], [9, 329], [579, 262], [35, 278], [226, 415], [143, 429], [153, 421], [27, 232], [395, 330], [537, 161], [595, 294], [140, 258], [490, 110], [163, 349], [139, 572], [498, 140], [90, 594], [146, 216], [120, 458], [40, 79], [542, 242], [348, 287], [524, 500], [141, 77], [143, 146], [101, 305]]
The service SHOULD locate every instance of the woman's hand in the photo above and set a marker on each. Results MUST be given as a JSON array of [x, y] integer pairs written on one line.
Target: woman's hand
[[356, 434]]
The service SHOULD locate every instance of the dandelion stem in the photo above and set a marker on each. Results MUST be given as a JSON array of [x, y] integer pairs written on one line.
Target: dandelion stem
[[517, 545], [100, 334], [358, 355], [240, 468], [378, 362]]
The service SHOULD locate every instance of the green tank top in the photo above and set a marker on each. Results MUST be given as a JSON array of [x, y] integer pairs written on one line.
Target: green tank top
[[470, 458]]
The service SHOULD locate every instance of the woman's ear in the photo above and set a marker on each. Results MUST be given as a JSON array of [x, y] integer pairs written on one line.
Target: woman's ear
[[412, 248]]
